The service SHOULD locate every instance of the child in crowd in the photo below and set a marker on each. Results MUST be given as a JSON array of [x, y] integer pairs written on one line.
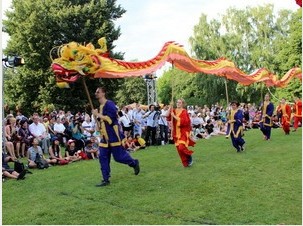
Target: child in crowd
[[129, 145], [139, 141], [91, 148], [71, 152]]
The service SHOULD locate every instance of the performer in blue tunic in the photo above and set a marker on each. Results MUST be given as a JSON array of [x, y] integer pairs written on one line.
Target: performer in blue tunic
[[111, 137], [235, 126], [267, 110]]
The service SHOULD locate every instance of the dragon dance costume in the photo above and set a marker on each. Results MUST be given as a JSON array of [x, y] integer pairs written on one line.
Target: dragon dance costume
[[111, 141], [181, 135], [297, 114], [235, 129], [266, 120], [286, 113]]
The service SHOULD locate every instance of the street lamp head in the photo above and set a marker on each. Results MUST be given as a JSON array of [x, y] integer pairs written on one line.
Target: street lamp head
[[13, 61]]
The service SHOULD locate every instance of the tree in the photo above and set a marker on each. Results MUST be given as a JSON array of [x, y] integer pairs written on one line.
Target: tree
[[209, 44], [35, 27], [132, 90], [253, 38]]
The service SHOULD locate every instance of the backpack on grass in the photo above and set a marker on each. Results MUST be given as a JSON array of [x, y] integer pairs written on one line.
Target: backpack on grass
[[19, 167], [41, 163]]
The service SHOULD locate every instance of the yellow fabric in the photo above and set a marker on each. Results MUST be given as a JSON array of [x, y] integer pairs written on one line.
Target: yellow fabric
[[141, 141]]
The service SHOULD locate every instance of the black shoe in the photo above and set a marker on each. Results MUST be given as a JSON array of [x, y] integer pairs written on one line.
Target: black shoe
[[137, 168], [190, 161], [243, 147], [21, 175], [103, 183]]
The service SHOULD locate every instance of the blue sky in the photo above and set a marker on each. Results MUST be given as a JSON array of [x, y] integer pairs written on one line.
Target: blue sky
[[148, 24]]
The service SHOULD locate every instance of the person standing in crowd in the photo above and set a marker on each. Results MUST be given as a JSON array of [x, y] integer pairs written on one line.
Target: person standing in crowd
[[285, 112], [151, 125], [267, 110], [125, 123], [181, 127], [163, 125], [297, 113], [111, 137], [235, 126], [137, 117]]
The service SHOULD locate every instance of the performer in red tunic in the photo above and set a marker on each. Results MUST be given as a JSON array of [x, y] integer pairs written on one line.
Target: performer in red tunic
[[285, 109], [181, 129], [297, 113]]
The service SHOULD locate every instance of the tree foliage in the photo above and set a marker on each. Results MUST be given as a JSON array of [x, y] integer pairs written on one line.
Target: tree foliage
[[253, 38], [132, 90], [35, 27]]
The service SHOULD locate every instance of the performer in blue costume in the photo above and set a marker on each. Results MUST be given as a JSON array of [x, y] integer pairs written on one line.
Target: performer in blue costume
[[267, 110], [235, 126], [111, 137]]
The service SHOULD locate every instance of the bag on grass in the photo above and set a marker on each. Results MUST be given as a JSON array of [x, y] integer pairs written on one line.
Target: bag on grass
[[41, 163], [18, 166]]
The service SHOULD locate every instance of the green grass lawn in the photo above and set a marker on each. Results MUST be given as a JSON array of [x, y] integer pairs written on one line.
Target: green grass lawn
[[262, 185]]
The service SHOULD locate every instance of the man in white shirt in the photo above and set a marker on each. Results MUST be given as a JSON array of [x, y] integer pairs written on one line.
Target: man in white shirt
[[138, 120], [163, 125], [38, 130], [59, 130], [88, 127]]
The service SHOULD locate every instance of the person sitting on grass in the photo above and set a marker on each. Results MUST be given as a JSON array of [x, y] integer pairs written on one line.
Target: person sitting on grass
[[71, 152], [129, 144], [32, 154], [91, 148], [7, 171], [139, 142], [55, 151]]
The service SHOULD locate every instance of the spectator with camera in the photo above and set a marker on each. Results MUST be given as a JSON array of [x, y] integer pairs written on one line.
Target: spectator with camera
[[77, 132]]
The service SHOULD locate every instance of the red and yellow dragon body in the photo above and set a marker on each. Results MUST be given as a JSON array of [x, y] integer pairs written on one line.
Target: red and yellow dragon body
[[77, 60]]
